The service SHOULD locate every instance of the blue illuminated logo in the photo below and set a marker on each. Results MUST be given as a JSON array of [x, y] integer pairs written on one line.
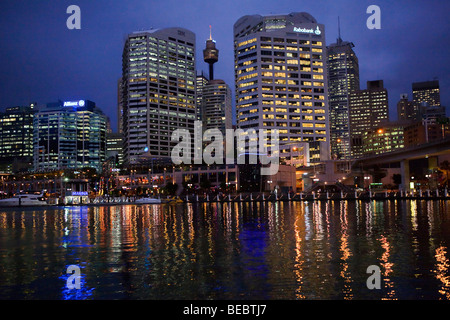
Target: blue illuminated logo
[[80, 103], [79, 193], [318, 32]]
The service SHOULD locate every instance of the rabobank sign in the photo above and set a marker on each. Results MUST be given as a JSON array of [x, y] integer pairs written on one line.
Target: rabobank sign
[[308, 30]]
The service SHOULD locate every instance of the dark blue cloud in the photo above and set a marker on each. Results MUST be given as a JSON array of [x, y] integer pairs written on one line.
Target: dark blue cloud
[[42, 61]]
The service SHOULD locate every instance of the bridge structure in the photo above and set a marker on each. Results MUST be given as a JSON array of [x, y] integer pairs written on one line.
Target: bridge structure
[[430, 151]]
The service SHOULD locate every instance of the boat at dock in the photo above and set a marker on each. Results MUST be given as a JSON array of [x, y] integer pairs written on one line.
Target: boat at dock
[[148, 200], [22, 200]]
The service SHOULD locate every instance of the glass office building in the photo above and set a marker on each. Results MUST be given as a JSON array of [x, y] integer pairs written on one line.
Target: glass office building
[[343, 78], [281, 80], [368, 109], [216, 106], [158, 90], [16, 138], [69, 135]]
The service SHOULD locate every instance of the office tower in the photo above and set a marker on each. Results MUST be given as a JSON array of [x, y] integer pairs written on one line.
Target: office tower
[[69, 135], [343, 78], [217, 106], [281, 80], [114, 147], [368, 109], [159, 81], [210, 54], [427, 93], [387, 137], [120, 106], [201, 82], [16, 138], [407, 110]]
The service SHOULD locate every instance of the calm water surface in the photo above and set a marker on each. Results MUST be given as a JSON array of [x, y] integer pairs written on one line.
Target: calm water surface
[[292, 250]]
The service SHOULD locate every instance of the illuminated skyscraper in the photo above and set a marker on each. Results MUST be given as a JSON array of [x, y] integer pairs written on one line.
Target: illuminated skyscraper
[[217, 106], [367, 110], [343, 78], [407, 110], [158, 80], [70, 134], [201, 82], [427, 92], [281, 81], [16, 138]]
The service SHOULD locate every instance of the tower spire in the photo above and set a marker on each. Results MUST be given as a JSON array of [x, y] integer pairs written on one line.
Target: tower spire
[[210, 54], [339, 40]]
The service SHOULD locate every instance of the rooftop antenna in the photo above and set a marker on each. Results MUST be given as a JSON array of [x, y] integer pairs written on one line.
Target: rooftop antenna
[[210, 33], [339, 31]]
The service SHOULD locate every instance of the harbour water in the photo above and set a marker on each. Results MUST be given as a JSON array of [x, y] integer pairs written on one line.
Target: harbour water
[[241, 250]]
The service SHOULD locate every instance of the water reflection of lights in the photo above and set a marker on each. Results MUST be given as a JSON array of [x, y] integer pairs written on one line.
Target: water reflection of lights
[[441, 272], [369, 218], [345, 251], [299, 231], [413, 204], [388, 269]]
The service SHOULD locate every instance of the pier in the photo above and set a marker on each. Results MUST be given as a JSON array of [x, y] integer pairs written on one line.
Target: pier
[[321, 196]]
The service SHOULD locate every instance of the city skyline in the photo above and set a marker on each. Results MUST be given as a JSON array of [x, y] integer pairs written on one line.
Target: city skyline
[[68, 64]]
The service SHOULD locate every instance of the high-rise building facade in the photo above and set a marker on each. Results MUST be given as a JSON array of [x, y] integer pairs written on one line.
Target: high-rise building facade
[[281, 80], [201, 82], [16, 137], [216, 106], [407, 110], [427, 92], [387, 137], [368, 109], [343, 78], [114, 147], [120, 106], [159, 78], [69, 135]]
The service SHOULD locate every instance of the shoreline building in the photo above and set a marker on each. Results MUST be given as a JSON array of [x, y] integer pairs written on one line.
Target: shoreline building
[[69, 135], [158, 90], [281, 81], [343, 79], [387, 137], [368, 110], [16, 138]]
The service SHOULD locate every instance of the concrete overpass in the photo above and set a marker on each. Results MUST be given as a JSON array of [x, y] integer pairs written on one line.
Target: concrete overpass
[[428, 151]]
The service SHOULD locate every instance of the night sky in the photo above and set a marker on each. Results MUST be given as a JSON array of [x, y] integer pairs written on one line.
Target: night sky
[[41, 60]]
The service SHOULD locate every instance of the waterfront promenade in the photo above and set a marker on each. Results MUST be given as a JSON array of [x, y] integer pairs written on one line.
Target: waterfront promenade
[[294, 197]]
